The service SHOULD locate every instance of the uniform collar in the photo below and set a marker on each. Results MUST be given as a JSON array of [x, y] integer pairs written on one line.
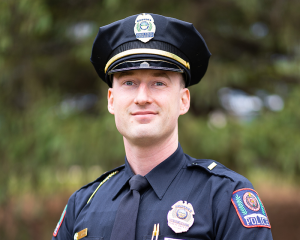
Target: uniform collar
[[127, 174], [159, 177]]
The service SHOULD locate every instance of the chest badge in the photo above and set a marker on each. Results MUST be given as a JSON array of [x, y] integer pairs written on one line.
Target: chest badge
[[180, 217], [144, 27]]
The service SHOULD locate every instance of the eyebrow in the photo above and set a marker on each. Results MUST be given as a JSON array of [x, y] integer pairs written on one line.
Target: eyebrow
[[154, 74], [160, 74], [126, 73]]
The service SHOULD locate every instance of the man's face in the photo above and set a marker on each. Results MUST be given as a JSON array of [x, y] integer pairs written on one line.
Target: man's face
[[147, 104]]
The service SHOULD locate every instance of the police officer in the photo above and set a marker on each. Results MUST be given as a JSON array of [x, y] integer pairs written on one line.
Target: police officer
[[148, 61]]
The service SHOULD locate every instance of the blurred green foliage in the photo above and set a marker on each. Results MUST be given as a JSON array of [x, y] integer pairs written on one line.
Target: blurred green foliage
[[56, 132], [49, 142]]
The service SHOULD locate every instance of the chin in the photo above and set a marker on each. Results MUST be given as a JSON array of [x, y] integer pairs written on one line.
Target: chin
[[144, 141], [143, 137]]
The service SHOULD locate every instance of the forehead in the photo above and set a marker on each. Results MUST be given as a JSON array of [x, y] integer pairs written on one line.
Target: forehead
[[148, 73]]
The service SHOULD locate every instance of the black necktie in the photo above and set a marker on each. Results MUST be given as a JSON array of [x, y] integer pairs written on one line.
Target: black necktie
[[125, 221]]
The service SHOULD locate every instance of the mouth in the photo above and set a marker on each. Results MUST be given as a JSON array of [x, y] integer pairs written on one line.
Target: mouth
[[143, 113]]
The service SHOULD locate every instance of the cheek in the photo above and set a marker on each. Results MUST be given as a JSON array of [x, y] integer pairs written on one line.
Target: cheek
[[120, 102], [119, 121], [175, 106], [120, 110], [173, 109]]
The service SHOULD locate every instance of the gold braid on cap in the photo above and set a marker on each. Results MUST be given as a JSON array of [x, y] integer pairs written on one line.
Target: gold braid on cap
[[146, 51]]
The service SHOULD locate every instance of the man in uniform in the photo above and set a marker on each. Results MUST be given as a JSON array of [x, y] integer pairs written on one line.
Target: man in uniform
[[148, 61]]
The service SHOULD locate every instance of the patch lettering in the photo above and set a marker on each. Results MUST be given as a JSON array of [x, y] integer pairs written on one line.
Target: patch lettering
[[60, 222], [249, 208]]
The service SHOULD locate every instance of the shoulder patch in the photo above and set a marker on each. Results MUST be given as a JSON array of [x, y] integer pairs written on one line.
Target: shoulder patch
[[60, 222], [249, 208]]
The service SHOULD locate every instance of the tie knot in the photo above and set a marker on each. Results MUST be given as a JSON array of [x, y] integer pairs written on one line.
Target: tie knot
[[138, 183]]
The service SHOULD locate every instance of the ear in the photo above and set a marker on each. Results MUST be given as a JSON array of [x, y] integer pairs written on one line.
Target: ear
[[110, 101], [184, 101]]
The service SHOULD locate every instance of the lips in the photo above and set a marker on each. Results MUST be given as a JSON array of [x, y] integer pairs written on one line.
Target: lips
[[143, 113]]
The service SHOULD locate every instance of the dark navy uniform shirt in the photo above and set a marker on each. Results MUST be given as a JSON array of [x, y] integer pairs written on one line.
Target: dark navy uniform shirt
[[178, 178]]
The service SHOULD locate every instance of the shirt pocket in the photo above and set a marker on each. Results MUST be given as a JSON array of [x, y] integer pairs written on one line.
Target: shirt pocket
[[162, 237], [92, 238]]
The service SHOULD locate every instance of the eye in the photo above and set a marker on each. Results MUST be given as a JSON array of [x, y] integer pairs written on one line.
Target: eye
[[159, 84], [128, 83]]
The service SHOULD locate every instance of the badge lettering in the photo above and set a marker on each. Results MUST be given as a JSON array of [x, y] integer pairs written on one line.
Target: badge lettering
[[180, 218], [144, 27]]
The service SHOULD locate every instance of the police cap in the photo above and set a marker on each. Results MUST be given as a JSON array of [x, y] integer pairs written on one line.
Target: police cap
[[150, 41]]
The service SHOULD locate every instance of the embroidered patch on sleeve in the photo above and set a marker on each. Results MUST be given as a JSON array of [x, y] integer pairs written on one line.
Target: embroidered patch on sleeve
[[249, 208], [60, 222]]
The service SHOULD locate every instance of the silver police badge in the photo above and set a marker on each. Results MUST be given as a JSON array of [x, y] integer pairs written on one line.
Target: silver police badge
[[180, 218], [144, 27]]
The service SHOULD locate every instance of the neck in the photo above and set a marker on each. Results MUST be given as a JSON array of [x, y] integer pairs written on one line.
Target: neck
[[143, 158]]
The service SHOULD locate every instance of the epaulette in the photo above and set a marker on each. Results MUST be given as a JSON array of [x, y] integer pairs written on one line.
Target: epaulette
[[215, 168], [102, 179]]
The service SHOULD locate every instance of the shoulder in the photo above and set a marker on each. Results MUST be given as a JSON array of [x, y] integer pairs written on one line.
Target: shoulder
[[103, 177], [233, 196], [82, 196], [218, 172], [76, 203]]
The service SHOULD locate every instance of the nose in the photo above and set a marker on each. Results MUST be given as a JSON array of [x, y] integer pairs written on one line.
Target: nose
[[143, 95]]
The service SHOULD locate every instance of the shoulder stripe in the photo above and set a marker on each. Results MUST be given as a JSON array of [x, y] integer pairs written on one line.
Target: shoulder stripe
[[60, 221], [108, 177]]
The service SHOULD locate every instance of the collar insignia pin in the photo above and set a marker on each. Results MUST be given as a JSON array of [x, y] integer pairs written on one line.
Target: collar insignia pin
[[144, 27], [180, 217]]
